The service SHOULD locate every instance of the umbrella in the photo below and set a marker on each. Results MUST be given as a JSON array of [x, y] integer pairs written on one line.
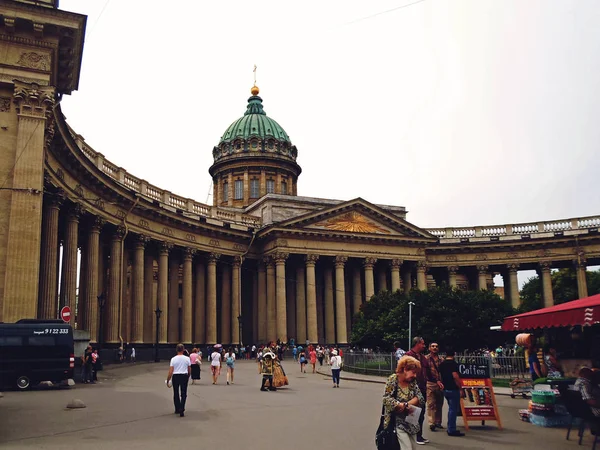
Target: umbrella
[[217, 346]]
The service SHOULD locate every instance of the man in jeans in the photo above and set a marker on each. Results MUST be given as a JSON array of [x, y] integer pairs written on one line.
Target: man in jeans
[[180, 370], [448, 370]]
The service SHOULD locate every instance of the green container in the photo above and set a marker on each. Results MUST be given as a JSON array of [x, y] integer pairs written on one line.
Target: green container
[[543, 397]]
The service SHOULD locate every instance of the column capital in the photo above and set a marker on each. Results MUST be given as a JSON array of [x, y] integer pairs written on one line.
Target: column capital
[[57, 199], [452, 270], [237, 261], [212, 258], [396, 263], [580, 260], [188, 253], [340, 260], [165, 247], [141, 240], [513, 267], [311, 259], [34, 100], [422, 266], [119, 233], [369, 262], [482, 269], [545, 265], [280, 257], [97, 223], [267, 260], [75, 211]]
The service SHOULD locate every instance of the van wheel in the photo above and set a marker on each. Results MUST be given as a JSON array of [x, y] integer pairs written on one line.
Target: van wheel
[[23, 382]]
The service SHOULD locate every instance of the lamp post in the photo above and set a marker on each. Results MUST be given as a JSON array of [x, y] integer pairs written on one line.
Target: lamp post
[[410, 305], [240, 329], [158, 312], [101, 303]]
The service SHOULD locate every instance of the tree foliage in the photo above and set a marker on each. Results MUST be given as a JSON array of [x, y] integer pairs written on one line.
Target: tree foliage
[[564, 288], [453, 317]]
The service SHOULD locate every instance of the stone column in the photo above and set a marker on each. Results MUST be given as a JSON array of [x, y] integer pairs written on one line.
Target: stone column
[[254, 306], [137, 315], [271, 305], [422, 275], [545, 267], [22, 211], [311, 298], [125, 321], [280, 258], [407, 280], [91, 276], [382, 276], [200, 303], [187, 311], [211, 299], [340, 300], [515, 299], [114, 287], [395, 266], [262, 302], [68, 290], [81, 307], [452, 276], [482, 272], [48, 301], [580, 269], [329, 308], [356, 290], [300, 306], [225, 303], [149, 300], [163, 289], [235, 299], [368, 264], [173, 307]]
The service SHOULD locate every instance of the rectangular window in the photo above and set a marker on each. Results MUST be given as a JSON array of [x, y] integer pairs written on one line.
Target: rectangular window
[[270, 186], [254, 188], [225, 191], [239, 189], [11, 341], [284, 187], [42, 341]]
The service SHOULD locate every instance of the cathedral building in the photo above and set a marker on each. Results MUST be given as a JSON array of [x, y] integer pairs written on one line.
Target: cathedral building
[[261, 263]]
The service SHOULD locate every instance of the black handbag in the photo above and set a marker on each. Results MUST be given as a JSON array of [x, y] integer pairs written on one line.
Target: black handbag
[[386, 438]]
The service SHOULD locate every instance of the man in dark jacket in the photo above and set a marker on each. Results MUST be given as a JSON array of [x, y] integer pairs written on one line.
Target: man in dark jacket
[[423, 377]]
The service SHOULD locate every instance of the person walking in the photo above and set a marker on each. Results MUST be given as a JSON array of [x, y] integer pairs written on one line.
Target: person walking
[[401, 395], [448, 371], [215, 365], [196, 361], [230, 363], [302, 359], [435, 395], [179, 374], [423, 376], [132, 355], [336, 368], [313, 359]]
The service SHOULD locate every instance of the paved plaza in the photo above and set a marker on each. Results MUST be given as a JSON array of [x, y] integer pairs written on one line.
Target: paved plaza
[[131, 408]]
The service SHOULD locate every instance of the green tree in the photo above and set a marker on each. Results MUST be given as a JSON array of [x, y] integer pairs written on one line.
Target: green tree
[[448, 316], [564, 289]]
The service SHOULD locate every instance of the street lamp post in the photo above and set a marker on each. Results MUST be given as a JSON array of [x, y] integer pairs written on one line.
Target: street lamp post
[[158, 312], [240, 329], [101, 303], [410, 305]]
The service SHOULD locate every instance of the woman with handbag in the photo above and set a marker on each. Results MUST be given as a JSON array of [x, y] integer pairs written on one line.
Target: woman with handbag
[[401, 395]]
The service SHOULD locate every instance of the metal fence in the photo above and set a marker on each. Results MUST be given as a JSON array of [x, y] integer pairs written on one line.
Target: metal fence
[[384, 364]]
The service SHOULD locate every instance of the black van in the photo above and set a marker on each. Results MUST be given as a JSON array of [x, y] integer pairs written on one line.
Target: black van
[[33, 350]]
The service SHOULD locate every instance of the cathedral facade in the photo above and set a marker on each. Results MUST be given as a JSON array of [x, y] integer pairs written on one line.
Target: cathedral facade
[[261, 263]]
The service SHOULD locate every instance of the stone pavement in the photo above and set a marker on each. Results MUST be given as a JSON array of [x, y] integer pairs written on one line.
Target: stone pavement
[[131, 408]]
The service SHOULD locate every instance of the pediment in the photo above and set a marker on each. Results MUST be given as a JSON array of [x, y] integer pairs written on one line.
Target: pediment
[[356, 217], [352, 222]]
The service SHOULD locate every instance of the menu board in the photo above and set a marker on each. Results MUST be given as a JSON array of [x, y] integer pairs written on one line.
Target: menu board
[[477, 399]]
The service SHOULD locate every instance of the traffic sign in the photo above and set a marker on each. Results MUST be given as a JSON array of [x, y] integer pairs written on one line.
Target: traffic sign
[[65, 314]]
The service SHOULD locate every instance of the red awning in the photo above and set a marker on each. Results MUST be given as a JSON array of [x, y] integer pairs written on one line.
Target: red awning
[[585, 311]]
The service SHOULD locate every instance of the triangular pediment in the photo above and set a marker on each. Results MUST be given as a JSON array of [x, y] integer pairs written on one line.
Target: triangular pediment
[[357, 217]]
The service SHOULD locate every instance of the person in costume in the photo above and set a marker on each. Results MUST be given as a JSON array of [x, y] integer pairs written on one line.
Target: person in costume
[[267, 367]]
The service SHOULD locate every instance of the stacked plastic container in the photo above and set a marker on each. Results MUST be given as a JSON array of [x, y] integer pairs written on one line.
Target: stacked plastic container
[[547, 409]]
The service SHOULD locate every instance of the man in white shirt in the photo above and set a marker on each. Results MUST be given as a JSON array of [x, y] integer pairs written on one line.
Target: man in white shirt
[[336, 368], [179, 372]]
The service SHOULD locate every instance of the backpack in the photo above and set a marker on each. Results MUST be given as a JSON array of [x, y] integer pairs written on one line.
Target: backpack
[[229, 361]]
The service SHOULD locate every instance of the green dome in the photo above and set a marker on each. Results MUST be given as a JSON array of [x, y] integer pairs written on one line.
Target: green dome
[[255, 123]]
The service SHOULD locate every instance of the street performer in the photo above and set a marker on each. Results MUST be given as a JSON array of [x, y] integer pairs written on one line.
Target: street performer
[[267, 367]]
